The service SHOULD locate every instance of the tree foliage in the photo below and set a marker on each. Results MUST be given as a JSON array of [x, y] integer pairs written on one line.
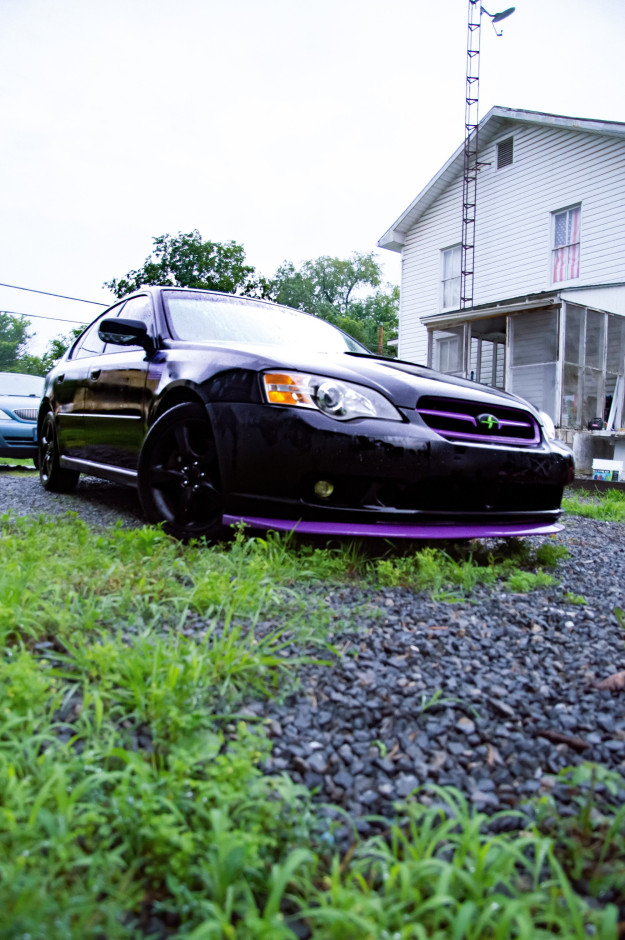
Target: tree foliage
[[184, 260], [14, 337], [23, 361], [333, 288], [57, 346]]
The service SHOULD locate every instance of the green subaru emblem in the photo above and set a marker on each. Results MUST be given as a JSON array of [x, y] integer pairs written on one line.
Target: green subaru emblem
[[490, 422]]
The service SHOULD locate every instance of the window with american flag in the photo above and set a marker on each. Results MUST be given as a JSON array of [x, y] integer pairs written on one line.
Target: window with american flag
[[566, 241]]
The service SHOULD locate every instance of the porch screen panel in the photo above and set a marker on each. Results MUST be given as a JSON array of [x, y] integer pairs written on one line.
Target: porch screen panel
[[573, 370], [615, 368], [572, 392], [574, 333], [595, 339], [593, 401], [533, 354]]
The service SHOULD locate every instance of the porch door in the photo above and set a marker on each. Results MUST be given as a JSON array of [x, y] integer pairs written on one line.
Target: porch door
[[533, 338], [488, 352]]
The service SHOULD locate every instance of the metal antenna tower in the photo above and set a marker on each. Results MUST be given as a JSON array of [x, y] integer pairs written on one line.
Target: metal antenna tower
[[471, 162], [469, 180]]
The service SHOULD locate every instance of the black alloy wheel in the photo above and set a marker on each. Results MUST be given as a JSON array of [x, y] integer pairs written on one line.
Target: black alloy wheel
[[51, 475], [179, 483]]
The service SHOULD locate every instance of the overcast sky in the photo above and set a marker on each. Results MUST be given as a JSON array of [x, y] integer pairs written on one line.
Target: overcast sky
[[297, 129]]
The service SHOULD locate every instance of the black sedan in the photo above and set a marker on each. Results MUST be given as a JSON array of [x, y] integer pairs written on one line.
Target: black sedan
[[222, 409]]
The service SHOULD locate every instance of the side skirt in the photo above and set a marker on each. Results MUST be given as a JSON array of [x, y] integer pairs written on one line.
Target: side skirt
[[104, 471]]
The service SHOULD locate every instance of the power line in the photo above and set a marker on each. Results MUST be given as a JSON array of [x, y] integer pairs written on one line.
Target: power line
[[79, 300], [38, 316]]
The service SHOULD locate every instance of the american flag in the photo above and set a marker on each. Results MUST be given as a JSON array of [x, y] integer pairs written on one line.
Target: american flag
[[566, 245]]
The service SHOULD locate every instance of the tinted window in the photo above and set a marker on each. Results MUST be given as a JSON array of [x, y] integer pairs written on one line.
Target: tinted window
[[137, 308], [89, 343]]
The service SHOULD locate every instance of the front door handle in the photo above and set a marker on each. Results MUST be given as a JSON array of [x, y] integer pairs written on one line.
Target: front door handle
[[95, 374]]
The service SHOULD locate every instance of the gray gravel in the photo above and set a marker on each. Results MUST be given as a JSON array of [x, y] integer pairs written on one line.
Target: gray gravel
[[96, 501], [494, 695]]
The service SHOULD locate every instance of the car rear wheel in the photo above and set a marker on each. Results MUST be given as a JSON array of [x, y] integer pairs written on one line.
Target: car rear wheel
[[52, 476], [179, 483]]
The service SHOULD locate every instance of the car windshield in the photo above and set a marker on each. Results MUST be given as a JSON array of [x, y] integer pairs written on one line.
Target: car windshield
[[14, 383], [205, 319]]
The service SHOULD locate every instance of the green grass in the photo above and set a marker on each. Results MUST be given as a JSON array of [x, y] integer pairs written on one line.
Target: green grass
[[25, 463], [132, 801], [608, 506]]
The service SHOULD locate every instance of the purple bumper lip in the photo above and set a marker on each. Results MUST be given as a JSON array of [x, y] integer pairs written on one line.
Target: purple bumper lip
[[384, 530]]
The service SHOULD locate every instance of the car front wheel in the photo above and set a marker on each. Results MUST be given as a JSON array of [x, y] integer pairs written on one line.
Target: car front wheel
[[179, 484], [52, 476]]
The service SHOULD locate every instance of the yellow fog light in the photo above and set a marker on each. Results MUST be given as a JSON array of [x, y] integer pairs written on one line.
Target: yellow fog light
[[324, 489]]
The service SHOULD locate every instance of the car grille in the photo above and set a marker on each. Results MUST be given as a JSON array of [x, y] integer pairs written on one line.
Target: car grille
[[26, 414], [475, 421]]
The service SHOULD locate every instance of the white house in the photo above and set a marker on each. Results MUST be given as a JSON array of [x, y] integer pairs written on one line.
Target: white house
[[548, 314]]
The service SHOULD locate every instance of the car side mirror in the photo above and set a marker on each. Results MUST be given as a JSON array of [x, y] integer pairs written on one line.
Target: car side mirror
[[122, 332]]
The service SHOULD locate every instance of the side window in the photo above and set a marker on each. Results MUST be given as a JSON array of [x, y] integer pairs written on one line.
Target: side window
[[137, 308], [90, 343]]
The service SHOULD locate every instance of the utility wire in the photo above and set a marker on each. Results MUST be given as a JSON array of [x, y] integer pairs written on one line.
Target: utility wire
[[62, 296], [38, 316]]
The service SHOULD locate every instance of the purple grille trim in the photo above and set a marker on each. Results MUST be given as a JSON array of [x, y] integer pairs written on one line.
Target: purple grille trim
[[457, 416], [529, 425], [466, 436], [385, 530]]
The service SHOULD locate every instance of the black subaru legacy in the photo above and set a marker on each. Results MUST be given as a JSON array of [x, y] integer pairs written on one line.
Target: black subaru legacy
[[222, 409]]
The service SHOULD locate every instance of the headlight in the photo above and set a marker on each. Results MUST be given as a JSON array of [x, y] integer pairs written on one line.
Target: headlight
[[3, 414], [548, 426], [333, 397]]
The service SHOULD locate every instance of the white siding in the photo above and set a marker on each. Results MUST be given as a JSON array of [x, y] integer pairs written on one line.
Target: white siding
[[553, 169]]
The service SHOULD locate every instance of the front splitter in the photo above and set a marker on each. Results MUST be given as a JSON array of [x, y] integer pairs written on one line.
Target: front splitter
[[389, 531]]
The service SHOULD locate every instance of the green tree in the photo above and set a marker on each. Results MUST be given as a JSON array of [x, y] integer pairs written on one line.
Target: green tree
[[57, 346], [184, 260], [377, 315], [14, 337], [40, 365], [332, 288]]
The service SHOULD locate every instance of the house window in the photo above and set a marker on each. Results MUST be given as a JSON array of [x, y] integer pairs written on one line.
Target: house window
[[566, 235], [451, 277], [504, 153], [447, 350]]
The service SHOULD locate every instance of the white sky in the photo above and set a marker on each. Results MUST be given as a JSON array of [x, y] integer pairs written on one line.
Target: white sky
[[297, 129]]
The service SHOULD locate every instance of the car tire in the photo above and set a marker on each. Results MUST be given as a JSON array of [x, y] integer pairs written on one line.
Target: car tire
[[179, 480], [52, 476]]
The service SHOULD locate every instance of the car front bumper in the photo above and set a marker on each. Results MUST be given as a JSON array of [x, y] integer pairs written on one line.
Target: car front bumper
[[400, 475], [18, 439]]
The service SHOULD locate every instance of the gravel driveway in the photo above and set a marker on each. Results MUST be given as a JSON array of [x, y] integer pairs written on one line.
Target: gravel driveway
[[494, 695]]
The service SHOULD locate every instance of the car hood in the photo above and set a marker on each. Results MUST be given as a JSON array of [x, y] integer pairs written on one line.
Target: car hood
[[10, 403], [402, 382]]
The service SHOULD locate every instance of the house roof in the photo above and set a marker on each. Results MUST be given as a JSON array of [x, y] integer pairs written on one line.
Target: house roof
[[496, 122]]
